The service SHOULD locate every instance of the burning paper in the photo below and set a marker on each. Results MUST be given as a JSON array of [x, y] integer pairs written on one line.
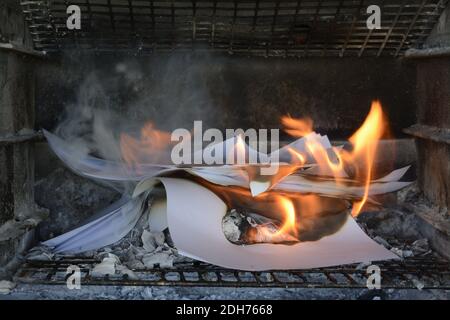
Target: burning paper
[[196, 229], [308, 197]]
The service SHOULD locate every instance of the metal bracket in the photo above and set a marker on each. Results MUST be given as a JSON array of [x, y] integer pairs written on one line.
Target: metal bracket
[[21, 50], [429, 133], [21, 138]]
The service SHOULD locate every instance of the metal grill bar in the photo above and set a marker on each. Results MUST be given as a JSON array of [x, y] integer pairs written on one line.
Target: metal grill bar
[[21, 138], [261, 28], [432, 273]]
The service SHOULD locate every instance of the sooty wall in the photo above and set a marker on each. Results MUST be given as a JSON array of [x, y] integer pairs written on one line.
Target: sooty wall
[[226, 91]]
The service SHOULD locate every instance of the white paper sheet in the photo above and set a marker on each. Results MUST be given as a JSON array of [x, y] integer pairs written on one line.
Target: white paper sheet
[[195, 214], [93, 167], [157, 220], [117, 222], [226, 175], [300, 183]]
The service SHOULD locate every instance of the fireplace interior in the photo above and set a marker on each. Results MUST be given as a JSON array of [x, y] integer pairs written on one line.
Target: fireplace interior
[[231, 64]]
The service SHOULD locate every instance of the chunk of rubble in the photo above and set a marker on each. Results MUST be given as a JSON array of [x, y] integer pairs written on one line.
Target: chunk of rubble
[[6, 286], [163, 259], [397, 251], [125, 271], [40, 253], [137, 252], [152, 240], [417, 283], [135, 264], [383, 242], [111, 265], [420, 246], [106, 267], [402, 253], [148, 242], [159, 238], [407, 253]]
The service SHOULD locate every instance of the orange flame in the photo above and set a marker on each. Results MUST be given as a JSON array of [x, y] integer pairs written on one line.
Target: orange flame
[[297, 157], [151, 147], [333, 161], [288, 210], [365, 142], [297, 127], [288, 230]]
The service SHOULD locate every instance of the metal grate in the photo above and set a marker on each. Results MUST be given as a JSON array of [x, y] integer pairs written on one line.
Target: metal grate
[[255, 28], [410, 273]]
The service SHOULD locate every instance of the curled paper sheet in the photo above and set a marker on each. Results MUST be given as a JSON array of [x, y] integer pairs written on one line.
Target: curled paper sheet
[[227, 175], [193, 212], [345, 188], [157, 220], [194, 216], [109, 226], [96, 168]]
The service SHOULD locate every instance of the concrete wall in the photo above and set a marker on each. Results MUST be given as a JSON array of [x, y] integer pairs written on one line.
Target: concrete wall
[[433, 132], [16, 115], [230, 92], [433, 98]]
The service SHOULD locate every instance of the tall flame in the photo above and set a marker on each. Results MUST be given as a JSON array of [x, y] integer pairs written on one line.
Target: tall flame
[[288, 210], [333, 161], [365, 142]]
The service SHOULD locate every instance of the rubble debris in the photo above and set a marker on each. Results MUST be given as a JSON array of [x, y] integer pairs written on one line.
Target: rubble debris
[[139, 252], [111, 266], [152, 240], [106, 267], [163, 259], [397, 251], [40, 253], [148, 242], [383, 242], [140, 249], [407, 253], [135, 264], [417, 283], [402, 253], [420, 246], [159, 238], [6, 286], [125, 271], [390, 222]]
